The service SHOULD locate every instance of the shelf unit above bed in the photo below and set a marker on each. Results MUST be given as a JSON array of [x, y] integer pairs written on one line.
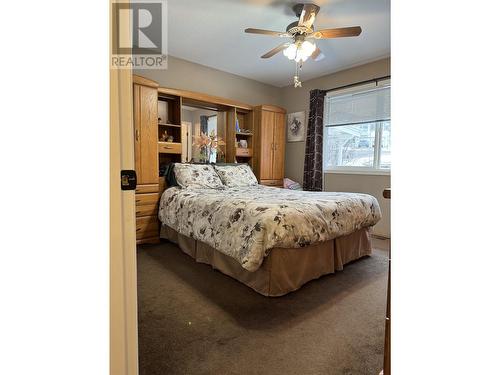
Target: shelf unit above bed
[[236, 140], [169, 131], [161, 137]]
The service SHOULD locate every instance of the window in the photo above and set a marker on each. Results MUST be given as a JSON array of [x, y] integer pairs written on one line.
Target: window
[[357, 129]]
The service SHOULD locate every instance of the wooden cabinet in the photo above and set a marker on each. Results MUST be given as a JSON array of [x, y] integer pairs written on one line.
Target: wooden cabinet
[[265, 138], [147, 229], [270, 145], [146, 160], [279, 146], [146, 133]]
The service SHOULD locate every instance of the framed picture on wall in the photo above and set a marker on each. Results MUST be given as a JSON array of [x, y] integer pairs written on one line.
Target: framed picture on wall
[[296, 126]]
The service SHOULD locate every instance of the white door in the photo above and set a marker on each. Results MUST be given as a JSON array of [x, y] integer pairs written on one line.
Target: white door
[[187, 141]]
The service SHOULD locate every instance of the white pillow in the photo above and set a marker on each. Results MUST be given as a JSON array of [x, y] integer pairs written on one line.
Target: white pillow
[[197, 176], [236, 175]]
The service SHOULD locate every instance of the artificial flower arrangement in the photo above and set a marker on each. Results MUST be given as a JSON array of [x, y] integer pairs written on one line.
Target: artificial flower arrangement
[[209, 145]]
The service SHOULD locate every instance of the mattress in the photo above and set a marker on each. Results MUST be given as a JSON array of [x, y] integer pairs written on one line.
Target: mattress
[[245, 223]]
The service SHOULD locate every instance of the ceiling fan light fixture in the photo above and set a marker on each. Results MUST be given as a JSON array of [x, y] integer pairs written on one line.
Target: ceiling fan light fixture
[[307, 48], [299, 51], [290, 51]]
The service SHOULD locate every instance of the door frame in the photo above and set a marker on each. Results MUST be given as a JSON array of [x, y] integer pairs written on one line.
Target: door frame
[[187, 131], [124, 357]]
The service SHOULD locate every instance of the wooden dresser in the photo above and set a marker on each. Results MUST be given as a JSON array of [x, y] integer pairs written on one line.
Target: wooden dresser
[[269, 127]]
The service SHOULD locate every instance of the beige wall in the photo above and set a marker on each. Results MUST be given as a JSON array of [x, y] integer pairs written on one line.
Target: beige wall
[[182, 74], [297, 99], [185, 75]]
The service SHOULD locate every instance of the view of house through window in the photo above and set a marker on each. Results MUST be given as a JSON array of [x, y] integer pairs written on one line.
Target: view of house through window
[[365, 145], [357, 133]]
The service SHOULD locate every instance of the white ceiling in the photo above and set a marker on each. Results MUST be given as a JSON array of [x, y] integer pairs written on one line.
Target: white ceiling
[[210, 32]]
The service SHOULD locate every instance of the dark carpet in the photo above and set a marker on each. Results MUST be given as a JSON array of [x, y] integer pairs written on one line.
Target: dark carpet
[[195, 320]]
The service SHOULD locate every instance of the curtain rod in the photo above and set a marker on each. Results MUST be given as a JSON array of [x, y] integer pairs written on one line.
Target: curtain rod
[[358, 83]]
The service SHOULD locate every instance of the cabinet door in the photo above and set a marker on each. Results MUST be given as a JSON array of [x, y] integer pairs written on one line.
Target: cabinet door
[[267, 143], [279, 147], [146, 134]]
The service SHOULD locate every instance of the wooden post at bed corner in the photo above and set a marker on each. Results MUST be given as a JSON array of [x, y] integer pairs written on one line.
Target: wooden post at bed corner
[[387, 343]]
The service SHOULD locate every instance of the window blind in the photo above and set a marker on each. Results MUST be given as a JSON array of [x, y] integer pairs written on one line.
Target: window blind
[[354, 107]]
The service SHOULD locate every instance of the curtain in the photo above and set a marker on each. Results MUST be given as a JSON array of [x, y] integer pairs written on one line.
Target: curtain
[[204, 124], [313, 162]]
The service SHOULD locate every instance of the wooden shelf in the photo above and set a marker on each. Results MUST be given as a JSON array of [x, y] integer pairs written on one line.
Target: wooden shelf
[[199, 97], [171, 125]]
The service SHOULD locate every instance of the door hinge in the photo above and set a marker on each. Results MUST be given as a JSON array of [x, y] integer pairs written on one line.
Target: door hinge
[[128, 180]]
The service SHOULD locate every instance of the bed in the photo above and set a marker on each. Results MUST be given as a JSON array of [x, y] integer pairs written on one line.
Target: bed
[[273, 240]]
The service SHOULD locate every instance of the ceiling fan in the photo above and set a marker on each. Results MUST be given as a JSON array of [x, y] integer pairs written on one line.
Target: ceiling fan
[[303, 34]]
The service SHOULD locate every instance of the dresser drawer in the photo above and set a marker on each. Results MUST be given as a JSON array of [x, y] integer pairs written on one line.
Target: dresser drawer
[[151, 188], [169, 148], [243, 151], [149, 240], [146, 199], [147, 226], [146, 210], [275, 183]]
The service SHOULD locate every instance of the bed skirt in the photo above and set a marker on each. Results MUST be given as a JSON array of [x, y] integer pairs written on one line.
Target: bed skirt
[[284, 269]]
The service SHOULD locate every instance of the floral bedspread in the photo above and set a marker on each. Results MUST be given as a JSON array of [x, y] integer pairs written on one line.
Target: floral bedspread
[[245, 222]]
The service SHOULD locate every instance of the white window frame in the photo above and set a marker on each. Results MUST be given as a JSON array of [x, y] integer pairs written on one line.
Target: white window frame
[[375, 170]]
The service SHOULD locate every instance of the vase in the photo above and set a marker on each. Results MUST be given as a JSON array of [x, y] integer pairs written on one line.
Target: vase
[[205, 154]]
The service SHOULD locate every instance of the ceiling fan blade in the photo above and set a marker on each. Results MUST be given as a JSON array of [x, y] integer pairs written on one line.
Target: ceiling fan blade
[[340, 32], [317, 55], [275, 50], [308, 15], [266, 32]]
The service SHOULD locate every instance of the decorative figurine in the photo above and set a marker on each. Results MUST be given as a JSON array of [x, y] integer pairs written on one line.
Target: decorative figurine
[[164, 136]]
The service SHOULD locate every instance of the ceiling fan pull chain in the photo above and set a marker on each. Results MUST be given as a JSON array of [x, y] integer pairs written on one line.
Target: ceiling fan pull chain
[[296, 78]]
